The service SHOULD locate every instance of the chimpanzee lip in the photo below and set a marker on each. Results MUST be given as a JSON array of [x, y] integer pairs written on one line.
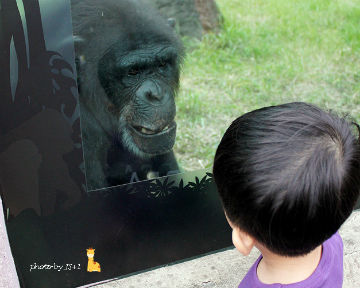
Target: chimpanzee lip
[[154, 142], [147, 131]]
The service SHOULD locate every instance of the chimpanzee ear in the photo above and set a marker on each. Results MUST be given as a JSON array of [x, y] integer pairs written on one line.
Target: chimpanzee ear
[[171, 22]]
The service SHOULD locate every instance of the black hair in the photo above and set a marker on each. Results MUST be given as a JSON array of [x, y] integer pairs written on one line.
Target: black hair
[[288, 175]]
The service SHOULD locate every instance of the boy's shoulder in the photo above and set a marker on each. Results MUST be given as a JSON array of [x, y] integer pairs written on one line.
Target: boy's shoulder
[[329, 272]]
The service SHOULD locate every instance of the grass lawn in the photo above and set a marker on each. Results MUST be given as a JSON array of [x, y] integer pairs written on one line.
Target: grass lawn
[[269, 52]]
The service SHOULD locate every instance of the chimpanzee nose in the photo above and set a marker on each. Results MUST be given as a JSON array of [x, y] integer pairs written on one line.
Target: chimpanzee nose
[[150, 92]]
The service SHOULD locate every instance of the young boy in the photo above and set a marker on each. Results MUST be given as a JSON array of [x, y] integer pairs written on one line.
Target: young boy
[[288, 177]]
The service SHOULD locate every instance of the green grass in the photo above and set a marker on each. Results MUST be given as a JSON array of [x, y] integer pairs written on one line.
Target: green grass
[[268, 52]]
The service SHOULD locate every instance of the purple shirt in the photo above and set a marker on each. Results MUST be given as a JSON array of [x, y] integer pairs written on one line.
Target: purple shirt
[[328, 274]]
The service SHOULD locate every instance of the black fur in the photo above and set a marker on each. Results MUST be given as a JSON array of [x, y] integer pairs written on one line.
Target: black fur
[[128, 61]]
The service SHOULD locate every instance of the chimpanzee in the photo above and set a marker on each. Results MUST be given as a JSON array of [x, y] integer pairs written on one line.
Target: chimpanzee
[[128, 63]]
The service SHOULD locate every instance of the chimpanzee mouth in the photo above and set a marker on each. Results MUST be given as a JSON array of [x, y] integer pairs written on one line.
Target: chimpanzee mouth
[[154, 141], [152, 132], [148, 131]]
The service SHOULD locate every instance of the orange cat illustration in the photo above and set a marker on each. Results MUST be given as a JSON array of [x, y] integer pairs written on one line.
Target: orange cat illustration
[[92, 265]]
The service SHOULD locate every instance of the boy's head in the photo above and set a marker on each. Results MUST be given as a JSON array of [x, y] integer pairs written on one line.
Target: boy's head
[[288, 175]]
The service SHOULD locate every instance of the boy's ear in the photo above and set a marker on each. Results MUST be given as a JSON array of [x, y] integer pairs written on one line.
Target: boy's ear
[[242, 241]]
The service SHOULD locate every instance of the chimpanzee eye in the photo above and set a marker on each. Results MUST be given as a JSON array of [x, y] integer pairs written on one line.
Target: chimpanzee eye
[[133, 72], [162, 63]]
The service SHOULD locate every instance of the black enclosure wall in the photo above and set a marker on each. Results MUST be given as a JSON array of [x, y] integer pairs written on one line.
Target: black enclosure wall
[[51, 217]]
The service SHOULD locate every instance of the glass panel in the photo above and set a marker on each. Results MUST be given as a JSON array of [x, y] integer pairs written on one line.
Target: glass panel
[[40, 143], [128, 67]]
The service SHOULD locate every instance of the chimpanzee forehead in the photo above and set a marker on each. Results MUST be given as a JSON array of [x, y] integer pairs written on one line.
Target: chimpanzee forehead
[[145, 55]]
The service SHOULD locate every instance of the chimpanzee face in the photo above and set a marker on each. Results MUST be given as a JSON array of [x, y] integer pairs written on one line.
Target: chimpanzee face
[[141, 86]]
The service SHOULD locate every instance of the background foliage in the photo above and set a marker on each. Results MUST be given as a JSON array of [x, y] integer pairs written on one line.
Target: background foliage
[[269, 52]]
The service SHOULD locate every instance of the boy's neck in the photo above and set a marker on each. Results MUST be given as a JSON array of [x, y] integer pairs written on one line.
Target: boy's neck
[[274, 268]]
